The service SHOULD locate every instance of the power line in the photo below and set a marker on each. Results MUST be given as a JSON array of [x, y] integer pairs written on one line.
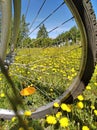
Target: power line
[[38, 13], [47, 17]]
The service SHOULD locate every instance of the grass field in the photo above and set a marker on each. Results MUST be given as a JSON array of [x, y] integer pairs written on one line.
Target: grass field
[[50, 71]]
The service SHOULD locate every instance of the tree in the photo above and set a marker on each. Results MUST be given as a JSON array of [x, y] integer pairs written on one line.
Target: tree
[[69, 37], [73, 32], [42, 42], [42, 33], [23, 32]]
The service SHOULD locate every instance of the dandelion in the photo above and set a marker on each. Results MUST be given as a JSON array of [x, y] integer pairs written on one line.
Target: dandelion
[[56, 105], [27, 113], [80, 105], [64, 122], [65, 107], [80, 98], [58, 114], [51, 90], [95, 84], [95, 112], [92, 107], [85, 128], [28, 72], [51, 120], [2, 95], [72, 70], [69, 78], [13, 119], [88, 88]]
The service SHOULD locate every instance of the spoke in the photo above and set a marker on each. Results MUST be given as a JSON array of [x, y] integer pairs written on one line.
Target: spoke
[[60, 25], [27, 8], [47, 18], [37, 13]]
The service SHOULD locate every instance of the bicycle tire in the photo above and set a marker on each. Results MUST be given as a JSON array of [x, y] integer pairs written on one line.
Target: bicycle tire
[[86, 20], [85, 17]]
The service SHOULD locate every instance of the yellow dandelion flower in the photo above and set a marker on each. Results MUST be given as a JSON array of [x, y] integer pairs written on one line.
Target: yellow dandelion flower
[[32, 68], [27, 113], [92, 107], [88, 87], [13, 119], [0, 79], [85, 128], [65, 107], [80, 98], [95, 84], [80, 105], [64, 122], [69, 78], [51, 90], [51, 120], [58, 114], [73, 70], [28, 72], [95, 112], [2, 95], [56, 105]]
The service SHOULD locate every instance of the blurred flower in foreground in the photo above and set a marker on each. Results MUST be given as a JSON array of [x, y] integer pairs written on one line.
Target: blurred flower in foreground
[[13, 119], [56, 104], [2, 95], [80, 105], [95, 112], [85, 128], [58, 114], [88, 88], [80, 98], [51, 120], [65, 107], [95, 84], [92, 107], [27, 113], [64, 122]]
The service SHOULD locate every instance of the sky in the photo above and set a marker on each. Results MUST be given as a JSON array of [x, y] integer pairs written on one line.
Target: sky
[[60, 16]]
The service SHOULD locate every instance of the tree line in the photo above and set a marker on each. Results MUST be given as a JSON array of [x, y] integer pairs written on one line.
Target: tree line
[[42, 39]]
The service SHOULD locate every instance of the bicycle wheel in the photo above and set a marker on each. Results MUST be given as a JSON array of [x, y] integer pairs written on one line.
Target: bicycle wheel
[[48, 88]]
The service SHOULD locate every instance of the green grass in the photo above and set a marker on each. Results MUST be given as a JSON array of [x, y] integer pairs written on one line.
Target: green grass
[[51, 70]]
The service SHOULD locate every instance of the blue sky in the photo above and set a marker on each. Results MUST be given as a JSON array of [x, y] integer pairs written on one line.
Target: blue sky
[[58, 18]]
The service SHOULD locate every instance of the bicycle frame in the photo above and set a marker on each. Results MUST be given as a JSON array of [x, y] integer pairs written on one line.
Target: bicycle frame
[[6, 9]]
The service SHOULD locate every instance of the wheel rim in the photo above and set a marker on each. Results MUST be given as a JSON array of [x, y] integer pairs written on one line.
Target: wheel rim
[[77, 86]]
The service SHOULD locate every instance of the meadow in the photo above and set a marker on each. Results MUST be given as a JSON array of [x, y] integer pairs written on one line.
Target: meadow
[[50, 71]]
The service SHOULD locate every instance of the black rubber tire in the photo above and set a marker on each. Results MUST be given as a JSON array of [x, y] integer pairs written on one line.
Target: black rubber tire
[[87, 23], [86, 20], [84, 15]]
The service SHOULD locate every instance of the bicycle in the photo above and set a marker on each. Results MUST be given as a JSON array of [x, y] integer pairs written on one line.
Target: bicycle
[[84, 15]]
